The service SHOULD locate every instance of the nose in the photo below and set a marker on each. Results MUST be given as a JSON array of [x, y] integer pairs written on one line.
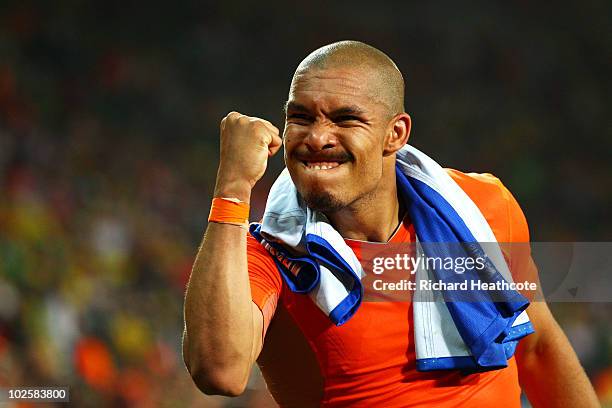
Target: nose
[[320, 138]]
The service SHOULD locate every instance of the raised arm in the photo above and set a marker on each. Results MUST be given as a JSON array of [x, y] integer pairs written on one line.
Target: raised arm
[[222, 337]]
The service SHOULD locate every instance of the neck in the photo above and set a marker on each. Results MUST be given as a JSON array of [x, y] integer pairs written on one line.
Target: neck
[[372, 218]]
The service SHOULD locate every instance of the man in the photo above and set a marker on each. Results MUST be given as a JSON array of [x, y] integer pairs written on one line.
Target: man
[[345, 121]]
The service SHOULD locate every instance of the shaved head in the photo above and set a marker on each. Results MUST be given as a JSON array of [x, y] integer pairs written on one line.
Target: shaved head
[[344, 123], [385, 81]]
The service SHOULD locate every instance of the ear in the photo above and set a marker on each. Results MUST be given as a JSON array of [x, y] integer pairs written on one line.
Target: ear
[[397, 134]]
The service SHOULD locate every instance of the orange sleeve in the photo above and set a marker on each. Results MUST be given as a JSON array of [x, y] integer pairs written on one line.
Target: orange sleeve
[[518, 230], [518, 248], [264, 277], [506, 219]]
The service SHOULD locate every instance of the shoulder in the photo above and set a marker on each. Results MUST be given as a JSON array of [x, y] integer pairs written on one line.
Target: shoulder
[[254, 247], [496, 203], [479, 186], [259, 259]]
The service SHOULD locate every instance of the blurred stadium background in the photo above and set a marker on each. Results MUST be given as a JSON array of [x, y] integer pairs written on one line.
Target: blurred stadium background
[[109, 115]]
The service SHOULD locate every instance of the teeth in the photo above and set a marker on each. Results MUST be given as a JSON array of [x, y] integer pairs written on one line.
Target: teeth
[[322, 165]]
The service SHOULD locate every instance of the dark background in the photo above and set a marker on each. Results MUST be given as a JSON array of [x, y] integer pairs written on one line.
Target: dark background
[[109, 115]]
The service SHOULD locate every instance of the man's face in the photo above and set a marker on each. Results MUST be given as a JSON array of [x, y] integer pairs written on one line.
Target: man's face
[[333, 138]]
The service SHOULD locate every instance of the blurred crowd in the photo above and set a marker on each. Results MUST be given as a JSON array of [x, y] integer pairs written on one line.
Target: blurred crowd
[[109, 117]]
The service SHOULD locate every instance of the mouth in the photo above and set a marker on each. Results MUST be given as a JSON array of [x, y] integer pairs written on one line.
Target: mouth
[[321, 165]]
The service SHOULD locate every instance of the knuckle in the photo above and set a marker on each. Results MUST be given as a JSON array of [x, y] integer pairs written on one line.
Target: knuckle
[[257, 125], [231, 117]]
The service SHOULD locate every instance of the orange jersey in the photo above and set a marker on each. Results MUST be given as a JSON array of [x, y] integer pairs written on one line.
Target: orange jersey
[[370, 361]]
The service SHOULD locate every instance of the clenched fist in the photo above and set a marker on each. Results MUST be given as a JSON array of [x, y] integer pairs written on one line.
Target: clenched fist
[[246, 144]]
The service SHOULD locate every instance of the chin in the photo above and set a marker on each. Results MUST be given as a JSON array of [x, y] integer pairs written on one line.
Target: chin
[[323, 202]]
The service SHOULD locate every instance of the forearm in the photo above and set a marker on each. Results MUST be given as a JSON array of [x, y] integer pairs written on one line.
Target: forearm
[[218, 310], [550, 373]]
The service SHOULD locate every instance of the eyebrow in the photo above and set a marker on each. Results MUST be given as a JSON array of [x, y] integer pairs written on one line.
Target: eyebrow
[[294, 107], [345, 110]]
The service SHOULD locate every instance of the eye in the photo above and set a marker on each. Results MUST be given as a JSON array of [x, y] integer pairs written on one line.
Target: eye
[[347, 119], [299, 118]]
